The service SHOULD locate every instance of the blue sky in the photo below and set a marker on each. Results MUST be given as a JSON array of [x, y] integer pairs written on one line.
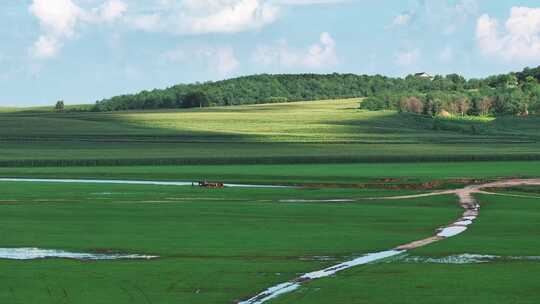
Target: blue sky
[[84, 50]]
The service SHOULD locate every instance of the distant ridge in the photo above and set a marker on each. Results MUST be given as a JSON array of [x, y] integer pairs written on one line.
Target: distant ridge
[[266, 88]]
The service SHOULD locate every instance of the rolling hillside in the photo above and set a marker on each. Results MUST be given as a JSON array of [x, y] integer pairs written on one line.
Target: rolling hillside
[[333, 130]]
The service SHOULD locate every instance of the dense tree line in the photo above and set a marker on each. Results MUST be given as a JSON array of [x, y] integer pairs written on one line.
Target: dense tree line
[[498, 95], [512, 93], [252, 89]]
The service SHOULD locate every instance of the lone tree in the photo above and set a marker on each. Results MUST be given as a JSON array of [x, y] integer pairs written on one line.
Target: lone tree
[[59, 107]]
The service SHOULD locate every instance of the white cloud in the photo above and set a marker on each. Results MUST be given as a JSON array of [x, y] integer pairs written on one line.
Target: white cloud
[[487, 36], [213, 16], [57, 17], [58, 20], [112, 10], [46, 47], [407, 58], [319, 55], [149, 23], [443, 16], [518, 40], [228, 16], [206, 16]]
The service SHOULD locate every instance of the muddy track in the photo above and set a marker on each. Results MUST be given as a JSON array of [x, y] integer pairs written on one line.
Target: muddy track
[[466, 201]]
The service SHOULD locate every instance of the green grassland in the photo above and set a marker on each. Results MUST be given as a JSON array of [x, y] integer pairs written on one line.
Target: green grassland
[[500, 283], [310, 132], [524, 191], [214, 246], [222, 245], [339, 174], [506, 227], [46, 109]]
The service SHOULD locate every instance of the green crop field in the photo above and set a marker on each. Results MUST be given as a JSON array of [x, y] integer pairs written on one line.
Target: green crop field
[[230, 152], [341, 174], [308, 132], [224, 245], [227, 245], [507, 227], [214, 247]]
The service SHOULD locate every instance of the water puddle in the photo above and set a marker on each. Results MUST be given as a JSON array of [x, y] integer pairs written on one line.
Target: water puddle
[[287, 287], [466, 258], [38, 253], [127, 182], [451, 231], [369, 258], [453, 259], [272, 292]]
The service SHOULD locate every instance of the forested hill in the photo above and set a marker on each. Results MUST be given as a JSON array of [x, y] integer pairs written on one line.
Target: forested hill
[[285, 88], [252, 89]]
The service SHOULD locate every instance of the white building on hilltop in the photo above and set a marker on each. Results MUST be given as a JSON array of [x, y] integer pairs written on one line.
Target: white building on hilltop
[[423, 75]]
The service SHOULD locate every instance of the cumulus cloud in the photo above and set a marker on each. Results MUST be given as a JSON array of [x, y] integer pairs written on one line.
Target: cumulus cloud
[[112, 10], [46, 47], [438, 14], [206, 16], [214, 16], [227, 15], [519, 39], [58, 17], [319, 55], [148, 22], [58, 20]]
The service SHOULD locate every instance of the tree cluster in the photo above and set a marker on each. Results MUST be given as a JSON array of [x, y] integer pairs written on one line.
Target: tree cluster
[[514, 93], [509, 97]]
